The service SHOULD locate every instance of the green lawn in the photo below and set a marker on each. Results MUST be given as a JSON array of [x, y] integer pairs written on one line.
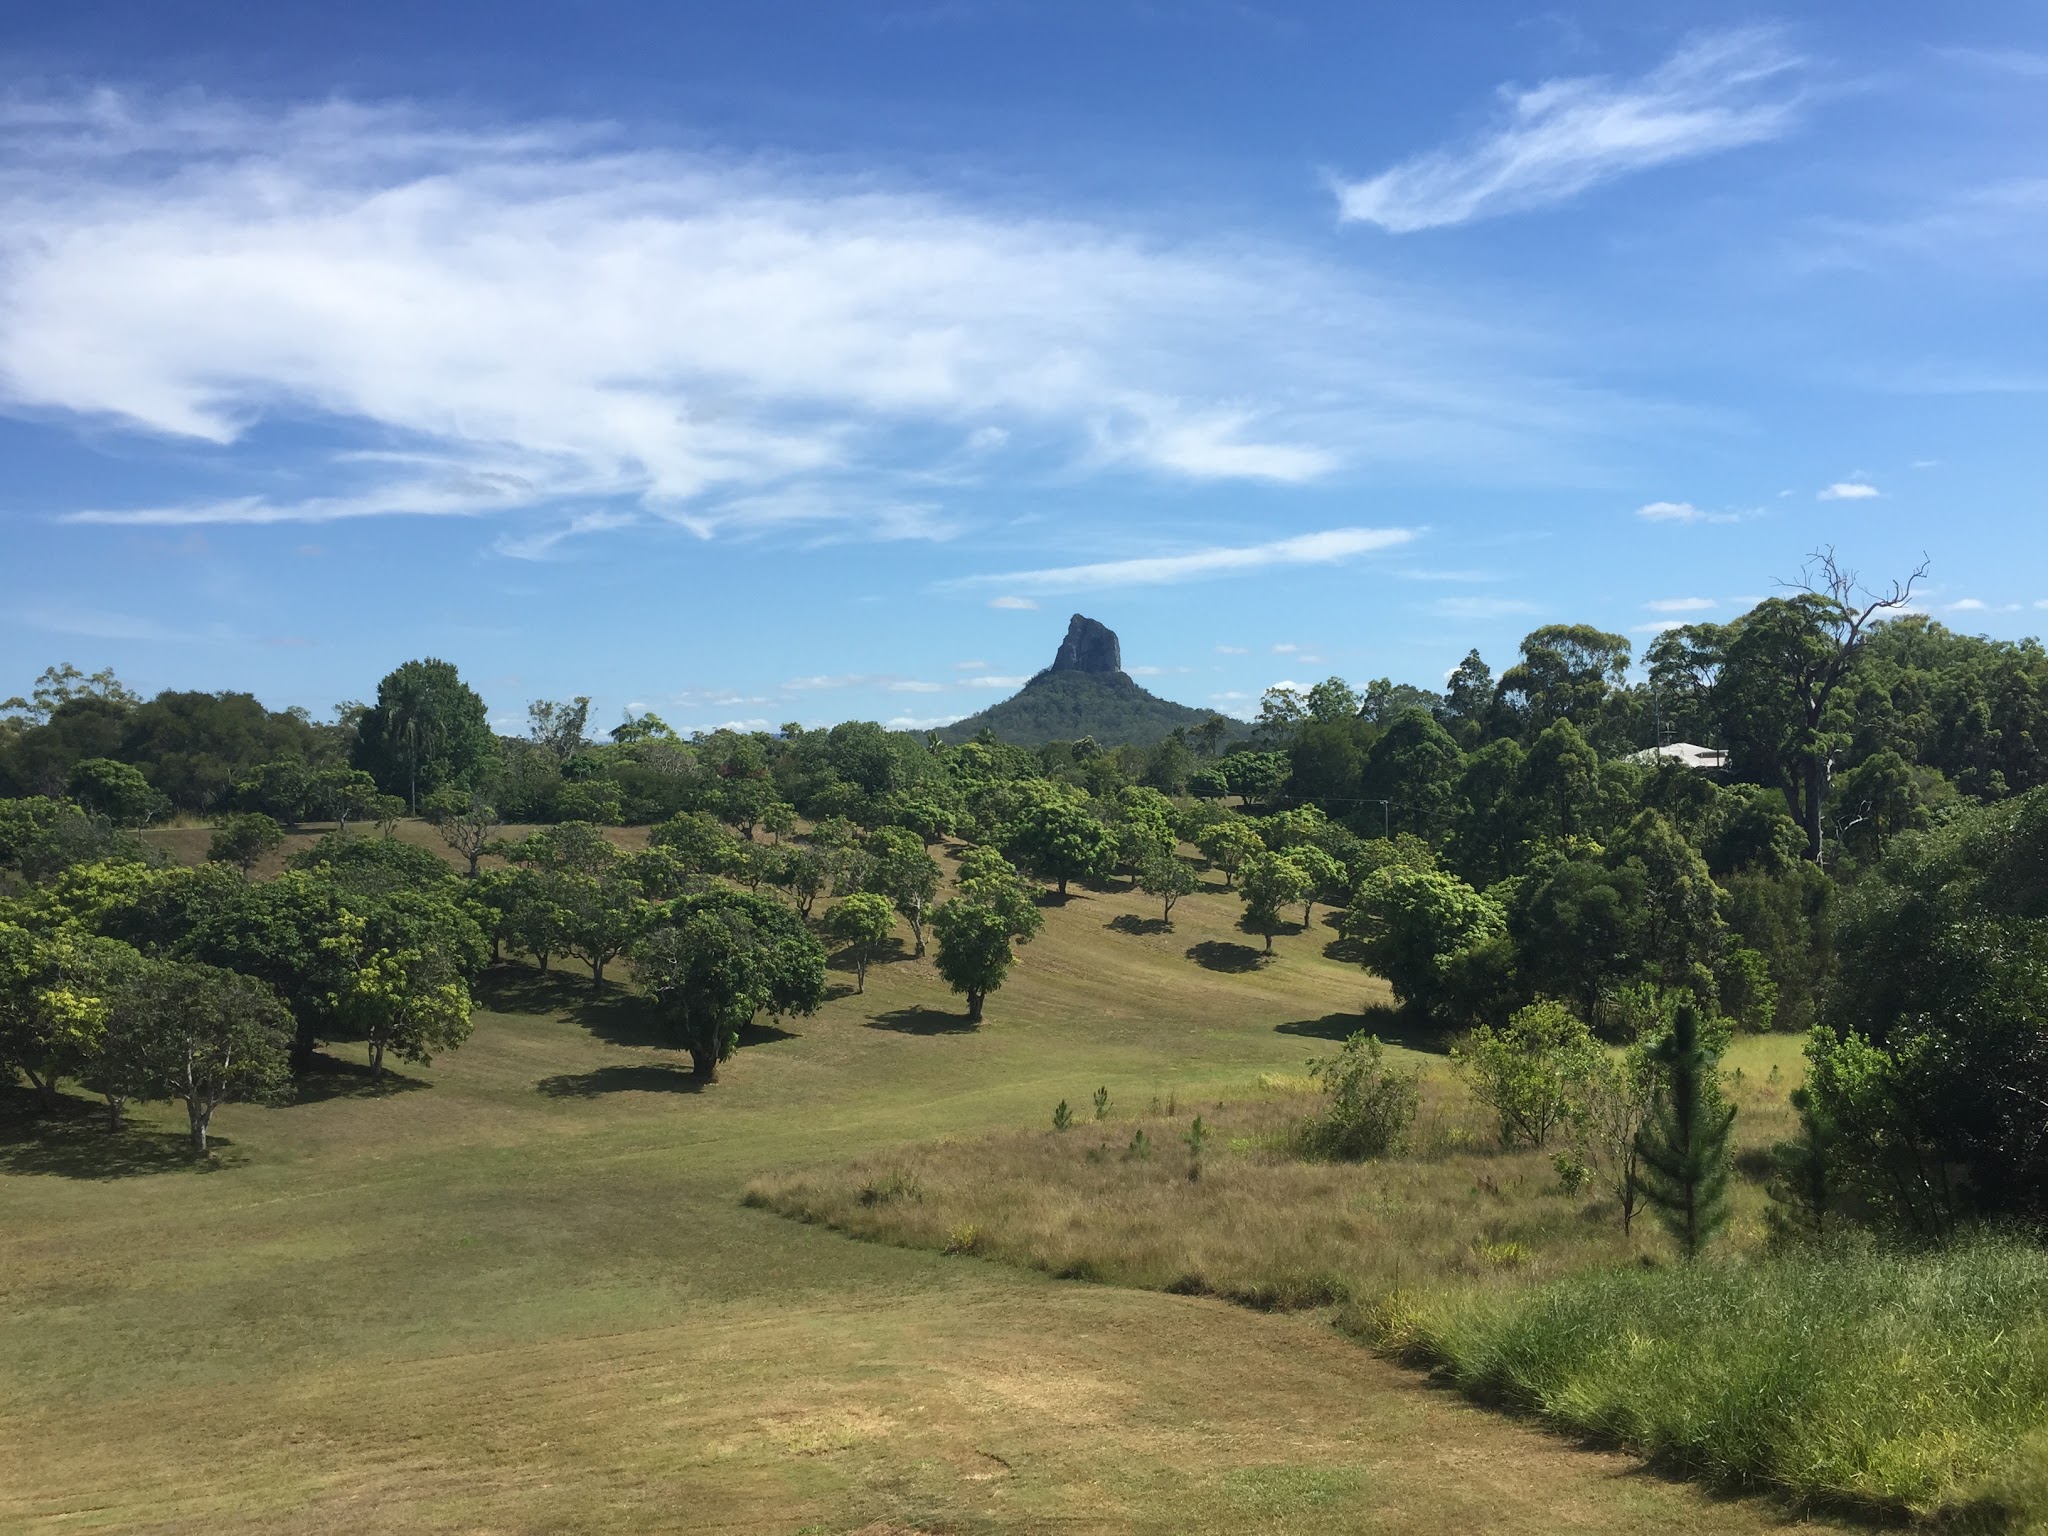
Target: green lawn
[[518, 1292]]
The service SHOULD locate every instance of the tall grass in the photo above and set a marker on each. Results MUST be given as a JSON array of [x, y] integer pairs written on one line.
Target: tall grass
[[1892, 1383]]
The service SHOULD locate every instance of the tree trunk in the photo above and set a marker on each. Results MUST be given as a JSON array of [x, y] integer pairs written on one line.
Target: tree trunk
[[1269, 941], [45, 1087], [860, 974], [974, 1001], [543, 962], [198, 1118], [1063, 885], [376, 1060], [1813, 773], [114, 1107], [597, 973], [704, 1065]]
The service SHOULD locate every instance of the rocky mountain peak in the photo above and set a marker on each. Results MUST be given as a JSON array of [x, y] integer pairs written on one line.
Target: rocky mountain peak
[[1090, 646]]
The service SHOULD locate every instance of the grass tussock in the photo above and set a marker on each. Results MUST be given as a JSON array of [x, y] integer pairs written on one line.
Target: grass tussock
[[1113, 1200], [1893, 1384]]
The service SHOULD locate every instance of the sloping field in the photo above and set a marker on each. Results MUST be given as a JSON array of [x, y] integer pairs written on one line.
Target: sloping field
[[518, 1292]]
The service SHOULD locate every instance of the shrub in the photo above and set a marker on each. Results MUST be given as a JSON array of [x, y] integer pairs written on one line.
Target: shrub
[[1369, 1106], [1524, 1073]]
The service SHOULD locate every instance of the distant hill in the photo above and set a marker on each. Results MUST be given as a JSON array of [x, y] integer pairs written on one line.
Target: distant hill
[[1085, 692]]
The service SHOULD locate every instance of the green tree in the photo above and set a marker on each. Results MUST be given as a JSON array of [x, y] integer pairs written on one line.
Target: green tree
[[466, 822], [906, 874], [1272, 882], [242, 840], [1322, 878], [342, 795], [1774, 680], [1058, 840], [696, 841], [209, 1037], [721, 958], [1166, 877], [427, 729], [1414, 926], [1682, 1147], [1414, 767], [1528, 1072], [1609, 1104], [862, 922], [1566, 673], [117, 791], [988, 879], [1368, 1105], [974, 950], [557, 728], [1228, 844], [52, 1012]]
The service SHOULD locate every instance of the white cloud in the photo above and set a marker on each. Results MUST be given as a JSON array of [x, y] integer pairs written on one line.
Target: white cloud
[[913, 685], [1718, 92], [100, 624], [994, 682], [970, 666], [1327, 548], [1227, 698], [1287, 683], [1658, 628], [1023, 604], [919, 722], [1285, 648], [1968, 605], [1684, 512], [1926, 463], [1680, 604], [1482, 607], [538, 317], [1848, 490]]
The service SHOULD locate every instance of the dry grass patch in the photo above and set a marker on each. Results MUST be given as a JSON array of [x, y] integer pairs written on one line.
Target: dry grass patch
[[1113, 1200]]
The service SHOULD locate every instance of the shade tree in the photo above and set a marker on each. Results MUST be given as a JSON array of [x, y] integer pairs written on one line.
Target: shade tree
[[862, 922]]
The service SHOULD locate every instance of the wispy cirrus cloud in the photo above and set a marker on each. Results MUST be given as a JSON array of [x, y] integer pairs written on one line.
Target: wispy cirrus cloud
[[539, 318], [1685, 512], [1557, 139], [1329, 547], [1848, 490], [1680, 604], [1482, 607]]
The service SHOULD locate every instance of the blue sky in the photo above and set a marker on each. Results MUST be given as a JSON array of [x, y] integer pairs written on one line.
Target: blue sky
[[758, 362]]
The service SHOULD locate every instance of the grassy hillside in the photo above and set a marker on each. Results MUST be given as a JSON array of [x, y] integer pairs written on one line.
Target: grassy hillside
[[519, 1292], [1065, 706]]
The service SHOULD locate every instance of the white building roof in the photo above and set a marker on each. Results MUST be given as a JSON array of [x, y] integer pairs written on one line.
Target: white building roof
[[1684, 752]]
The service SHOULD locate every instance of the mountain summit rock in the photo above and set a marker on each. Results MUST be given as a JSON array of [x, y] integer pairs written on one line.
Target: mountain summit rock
[[1090, 646], [1085, 692]]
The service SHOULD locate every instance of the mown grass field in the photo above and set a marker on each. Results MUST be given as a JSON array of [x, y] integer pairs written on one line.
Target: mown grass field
[[518, 1291]]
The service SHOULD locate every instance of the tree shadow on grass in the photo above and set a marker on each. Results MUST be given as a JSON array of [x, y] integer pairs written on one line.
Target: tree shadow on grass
[[514, 988], [328, 1077], [888, 952], [923, 1021], [1220, 955], [1343, 948], [1130, 922], [73, 1141], [1392, 1025], [637, 1077]]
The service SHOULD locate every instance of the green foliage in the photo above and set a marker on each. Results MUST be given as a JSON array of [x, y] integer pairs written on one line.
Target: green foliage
[[118, 791], [1166, 877], [1062, 1117], [1416, 928], [1228, 843], [974, 949], [1066, 706], [1527, 1071], [720, 958], [243, 839], [1272, 882], [1368, 1106], [427, 729], [862, 922], [1058, 839], [465, 821], [987, 879], [1897, 1384], [1682, 1147], [207, 1037]]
